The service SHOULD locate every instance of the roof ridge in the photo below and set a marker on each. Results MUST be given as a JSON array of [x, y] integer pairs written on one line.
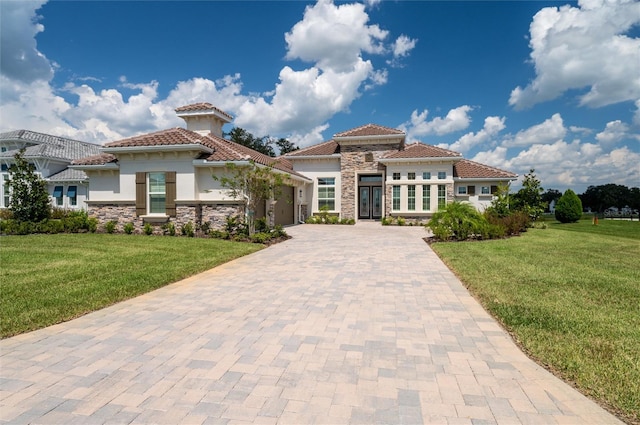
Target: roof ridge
[[368, 125]]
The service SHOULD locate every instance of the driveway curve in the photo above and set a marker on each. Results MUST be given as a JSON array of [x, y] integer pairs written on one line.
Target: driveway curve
[[341, 324]]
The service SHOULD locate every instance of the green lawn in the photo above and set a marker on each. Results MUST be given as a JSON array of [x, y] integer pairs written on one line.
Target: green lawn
[[47, 279], [570, 295]]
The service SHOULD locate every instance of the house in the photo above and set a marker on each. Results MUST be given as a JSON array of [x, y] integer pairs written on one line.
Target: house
[[364, 173], [51, 156]]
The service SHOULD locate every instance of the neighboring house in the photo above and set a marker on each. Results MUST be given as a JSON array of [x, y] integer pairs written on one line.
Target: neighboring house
[[364, 173], [51, 157]]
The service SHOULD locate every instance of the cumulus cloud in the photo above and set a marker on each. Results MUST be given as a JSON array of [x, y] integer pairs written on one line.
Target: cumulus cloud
[[614, 132], [333, 38], [549, 131], [20, 58], [584, 47], [401, 48], [492, 126], [419, 125]]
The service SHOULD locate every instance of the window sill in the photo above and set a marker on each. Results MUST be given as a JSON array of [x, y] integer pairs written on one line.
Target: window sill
[[155, 218]]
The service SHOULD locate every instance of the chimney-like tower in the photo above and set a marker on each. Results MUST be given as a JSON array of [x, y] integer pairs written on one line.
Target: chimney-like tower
[[204, 118]]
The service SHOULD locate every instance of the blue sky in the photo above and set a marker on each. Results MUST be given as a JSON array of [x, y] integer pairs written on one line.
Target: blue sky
[[549, 85]]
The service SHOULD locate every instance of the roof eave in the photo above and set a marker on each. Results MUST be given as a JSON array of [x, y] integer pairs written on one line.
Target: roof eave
[[378, 137], [107, 166], [493, 179], [419, 159], [332, 156], [157, 148]]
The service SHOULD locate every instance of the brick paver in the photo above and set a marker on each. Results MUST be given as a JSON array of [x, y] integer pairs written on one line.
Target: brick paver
[[341, 324]]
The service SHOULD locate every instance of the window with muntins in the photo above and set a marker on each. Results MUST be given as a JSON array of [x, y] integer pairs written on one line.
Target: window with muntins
[[327, 193], [72, 195], [462, 190], [157, 192], [5, 190], [396, 198], [442, 175], [396, 176], [426, 198], [411, 197], [442, 196], [57, 194], [411, 176], [485, 190], [426, 175]]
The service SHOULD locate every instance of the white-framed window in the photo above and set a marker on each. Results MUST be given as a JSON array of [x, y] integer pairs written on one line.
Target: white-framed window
[[157, 193], [411, 176], [442, 196], [396, 176], [411, 197], [426, 198], [6, 191], [327, 193], [486, 190], [396, 198], [426, 175], [72, 194], [442, 175], [57, 194], [462, 190]]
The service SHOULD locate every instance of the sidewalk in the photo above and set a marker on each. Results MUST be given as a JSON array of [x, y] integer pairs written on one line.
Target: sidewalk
[[341, 324]]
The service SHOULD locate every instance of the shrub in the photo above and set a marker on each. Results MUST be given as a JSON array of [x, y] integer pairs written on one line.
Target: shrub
[[110, 226], [261, 237], [187, 230], [169, 229], [401, 221], [205, 227], [261, 224], [147, 229], [92, 224], [128, 228], [569, 207], [457, 220], [333, 219], [386, 221], [278, 231]]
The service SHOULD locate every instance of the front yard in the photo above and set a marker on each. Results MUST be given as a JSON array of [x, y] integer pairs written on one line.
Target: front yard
[[47, 279], [570, 296]]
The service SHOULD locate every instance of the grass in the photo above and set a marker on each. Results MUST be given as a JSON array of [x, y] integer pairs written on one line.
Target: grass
[[47, 279], [570, 296]]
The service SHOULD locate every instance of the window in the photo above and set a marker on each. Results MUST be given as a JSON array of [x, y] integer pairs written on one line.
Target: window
[[3, 149], [57, 194], [396, 176], [485, 190], [442, 196], [426, 198], [462, 190], [442, 175], [396, 198], [411, 176], [426, 175], [5, 190], [411, 197], [327, 193], [157, 193], [5, 167], [72, 195], [471, 190]]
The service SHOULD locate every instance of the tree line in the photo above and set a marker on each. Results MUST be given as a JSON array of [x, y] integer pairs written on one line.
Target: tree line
[[599, 198]]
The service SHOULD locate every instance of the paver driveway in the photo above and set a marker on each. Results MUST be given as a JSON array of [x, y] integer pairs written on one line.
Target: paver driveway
[[342, 324]]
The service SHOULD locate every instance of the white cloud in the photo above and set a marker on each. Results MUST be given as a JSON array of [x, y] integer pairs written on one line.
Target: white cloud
[[492, 126], [549, 131], [20, 59], [584, 47], [456, 119], [614, 132], [401, 48]]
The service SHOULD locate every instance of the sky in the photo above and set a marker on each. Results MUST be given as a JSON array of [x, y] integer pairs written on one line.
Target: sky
[[548, 85]]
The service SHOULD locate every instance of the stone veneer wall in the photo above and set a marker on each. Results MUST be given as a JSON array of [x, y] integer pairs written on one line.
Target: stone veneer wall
[[352, 160], [197, 214]]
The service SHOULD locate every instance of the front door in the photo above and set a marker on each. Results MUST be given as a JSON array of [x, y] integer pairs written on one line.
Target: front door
[[369, 202]]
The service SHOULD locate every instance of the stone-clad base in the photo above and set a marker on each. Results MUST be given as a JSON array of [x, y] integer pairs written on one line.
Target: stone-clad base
[[198, 214]]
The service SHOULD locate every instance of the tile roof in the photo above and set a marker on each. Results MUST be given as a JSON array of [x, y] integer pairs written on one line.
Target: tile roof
[[370, 130], [422, 150], [68, 174], [100, 159], [48, 146], [467, 169], [325, 148], [169, 137], [203, 106]]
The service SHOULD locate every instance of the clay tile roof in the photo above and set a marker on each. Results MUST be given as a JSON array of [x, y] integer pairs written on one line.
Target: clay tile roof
[[470, 169], [422, 150], [325, 148], [172, 136], [370, 130], [203, 106], [101, 159]]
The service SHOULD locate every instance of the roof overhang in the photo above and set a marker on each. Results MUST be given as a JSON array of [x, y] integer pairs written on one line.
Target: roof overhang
[[484, 179], [421, 159], [158, 148], [205, 163], [332, 156], [107, 166], [394, 138]]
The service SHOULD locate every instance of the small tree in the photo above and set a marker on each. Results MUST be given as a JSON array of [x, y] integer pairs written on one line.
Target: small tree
[[529, 198], [459, 220], [500, 205], [568, 208], [251, 184], [29, 197]]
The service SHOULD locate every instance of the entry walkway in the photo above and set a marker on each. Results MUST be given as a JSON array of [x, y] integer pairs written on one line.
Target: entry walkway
[[341, 324]]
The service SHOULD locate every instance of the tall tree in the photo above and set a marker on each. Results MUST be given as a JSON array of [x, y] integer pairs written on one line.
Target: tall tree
[[550, 196], [285, 146], [529, 198], [260, 144], [29, 199]]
